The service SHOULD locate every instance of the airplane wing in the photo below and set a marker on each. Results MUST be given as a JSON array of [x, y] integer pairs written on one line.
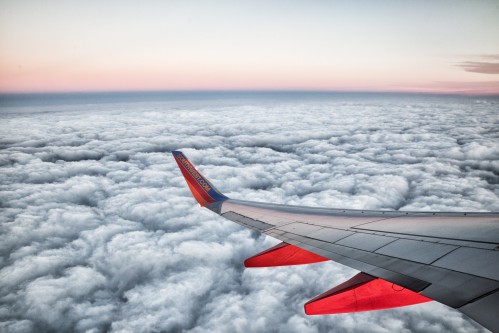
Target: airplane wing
[[404, 257]]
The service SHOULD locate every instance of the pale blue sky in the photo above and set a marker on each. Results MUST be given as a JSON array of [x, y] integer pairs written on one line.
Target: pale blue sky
[[326, 45]]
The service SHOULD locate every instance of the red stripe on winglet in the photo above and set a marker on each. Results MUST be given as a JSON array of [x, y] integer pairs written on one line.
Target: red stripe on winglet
[[199, 194]]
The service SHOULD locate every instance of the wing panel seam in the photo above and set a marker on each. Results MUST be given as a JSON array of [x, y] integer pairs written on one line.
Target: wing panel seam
[[383, 255], [424, 236], [431, 263]]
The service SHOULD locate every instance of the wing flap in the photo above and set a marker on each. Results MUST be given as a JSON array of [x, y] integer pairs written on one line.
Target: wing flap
[[450, 287]]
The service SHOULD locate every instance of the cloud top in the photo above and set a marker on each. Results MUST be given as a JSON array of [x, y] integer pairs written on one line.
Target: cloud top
[[100, 233]]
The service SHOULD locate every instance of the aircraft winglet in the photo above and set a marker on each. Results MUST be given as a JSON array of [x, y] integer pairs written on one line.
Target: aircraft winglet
[[202, 190]]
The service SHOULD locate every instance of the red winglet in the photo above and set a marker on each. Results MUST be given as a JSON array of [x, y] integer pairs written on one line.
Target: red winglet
[[363, 293], [202, 190], [283, 254]]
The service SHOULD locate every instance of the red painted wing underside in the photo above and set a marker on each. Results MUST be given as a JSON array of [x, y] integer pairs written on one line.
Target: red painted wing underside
[[283, 254], [363, 293]]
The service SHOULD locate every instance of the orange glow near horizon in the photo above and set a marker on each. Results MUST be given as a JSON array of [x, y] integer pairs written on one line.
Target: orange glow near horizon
[[24, 79]]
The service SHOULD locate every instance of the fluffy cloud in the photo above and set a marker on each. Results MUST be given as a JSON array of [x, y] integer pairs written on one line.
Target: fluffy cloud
[[99, 231]]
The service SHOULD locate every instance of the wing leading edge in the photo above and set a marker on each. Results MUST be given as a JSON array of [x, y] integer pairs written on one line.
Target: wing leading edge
[[405, 257]]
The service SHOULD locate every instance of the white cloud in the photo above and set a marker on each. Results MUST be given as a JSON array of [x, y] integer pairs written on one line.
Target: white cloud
[[100, 233]]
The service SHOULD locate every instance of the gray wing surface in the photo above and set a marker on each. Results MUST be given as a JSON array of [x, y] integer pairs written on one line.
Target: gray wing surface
[[450, 257]]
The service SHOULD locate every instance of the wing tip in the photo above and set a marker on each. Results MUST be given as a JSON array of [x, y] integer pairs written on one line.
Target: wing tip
[[201, 188]]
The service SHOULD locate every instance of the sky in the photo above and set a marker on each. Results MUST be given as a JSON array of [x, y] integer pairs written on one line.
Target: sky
[[443, 46], [100, 233]]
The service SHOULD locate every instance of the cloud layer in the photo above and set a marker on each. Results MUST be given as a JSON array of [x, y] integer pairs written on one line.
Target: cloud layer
[[99, 231], [480, 67], [485, 64]]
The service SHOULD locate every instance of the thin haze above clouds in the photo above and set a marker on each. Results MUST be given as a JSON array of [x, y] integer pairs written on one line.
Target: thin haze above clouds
[[99, 232]]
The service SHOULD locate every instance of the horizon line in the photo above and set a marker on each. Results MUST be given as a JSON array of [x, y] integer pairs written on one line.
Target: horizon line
[[287, 91]]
